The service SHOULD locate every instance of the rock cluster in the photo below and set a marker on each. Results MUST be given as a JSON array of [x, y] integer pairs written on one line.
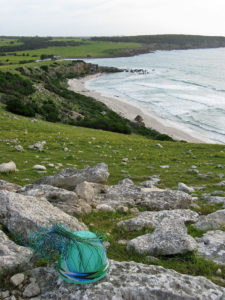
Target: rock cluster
[[126, 193], [62, 197]]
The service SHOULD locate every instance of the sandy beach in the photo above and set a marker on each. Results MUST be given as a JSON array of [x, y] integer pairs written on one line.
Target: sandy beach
[[129, 111]]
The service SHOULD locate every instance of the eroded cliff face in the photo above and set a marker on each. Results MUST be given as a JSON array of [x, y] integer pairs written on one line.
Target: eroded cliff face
[[79, 67]]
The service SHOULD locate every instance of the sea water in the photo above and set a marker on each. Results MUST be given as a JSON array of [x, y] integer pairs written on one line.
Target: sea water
[[184, 88]]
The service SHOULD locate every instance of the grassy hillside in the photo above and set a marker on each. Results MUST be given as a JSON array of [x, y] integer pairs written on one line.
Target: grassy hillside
[[89, 146]]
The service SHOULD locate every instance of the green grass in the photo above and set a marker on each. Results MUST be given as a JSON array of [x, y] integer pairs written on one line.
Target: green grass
[[107, 147], [8, 42], [94, 49]]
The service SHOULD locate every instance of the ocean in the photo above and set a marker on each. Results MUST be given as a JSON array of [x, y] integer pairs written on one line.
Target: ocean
[[184, 88]]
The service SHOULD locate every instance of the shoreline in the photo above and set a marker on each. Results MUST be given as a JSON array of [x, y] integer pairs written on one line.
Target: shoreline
[[129, 111]]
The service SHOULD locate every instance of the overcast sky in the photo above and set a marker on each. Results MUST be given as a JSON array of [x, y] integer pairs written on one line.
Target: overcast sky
[[111, 17]]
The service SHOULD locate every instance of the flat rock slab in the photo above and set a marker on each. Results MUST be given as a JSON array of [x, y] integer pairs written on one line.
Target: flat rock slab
[[212, 221], [130, 194], [169, 238], [65, 200], [12, 256], [51, 193], [215, 199], [22, 214], [212, 246], [152, 219], [11, 187], [70, 178], [129, 280]]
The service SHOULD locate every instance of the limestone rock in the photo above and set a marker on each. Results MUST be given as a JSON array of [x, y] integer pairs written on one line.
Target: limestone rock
[[184, 188], [166, 199], [212, 221], [69, 178], [38, 146], [39, 167], [12, 256], [151, 219], [212, 246], [11, 187], [132, 195], [122, 209], [129, 280], [22, 214], [32, 290], [19, 148], [8, 167], [65, 200], [151, 183], [105, 207], [169, 238], [61, 198], [214, 199], [134, 210], [4, 294], [17, 279], [85, 191], [126, 181], [221, 183], [51, 193]]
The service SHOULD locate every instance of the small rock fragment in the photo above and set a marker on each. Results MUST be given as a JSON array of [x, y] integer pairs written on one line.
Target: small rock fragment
[[39, 167], [19, 148], [17, 279], [32, 290], [8, 167]]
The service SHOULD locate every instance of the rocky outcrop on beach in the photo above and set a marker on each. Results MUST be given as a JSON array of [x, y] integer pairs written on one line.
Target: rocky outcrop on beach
[[62, 197]]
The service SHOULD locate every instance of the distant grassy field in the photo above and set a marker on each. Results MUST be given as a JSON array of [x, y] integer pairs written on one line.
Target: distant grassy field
[[8, 42], [89, 48], [145, 158]]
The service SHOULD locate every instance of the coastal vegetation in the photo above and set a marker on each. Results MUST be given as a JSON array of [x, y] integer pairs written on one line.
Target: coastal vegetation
[[41, 91]]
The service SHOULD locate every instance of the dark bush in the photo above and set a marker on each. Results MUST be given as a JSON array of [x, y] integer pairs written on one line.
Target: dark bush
[[16, 106], [14, 84], [50, 111]]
